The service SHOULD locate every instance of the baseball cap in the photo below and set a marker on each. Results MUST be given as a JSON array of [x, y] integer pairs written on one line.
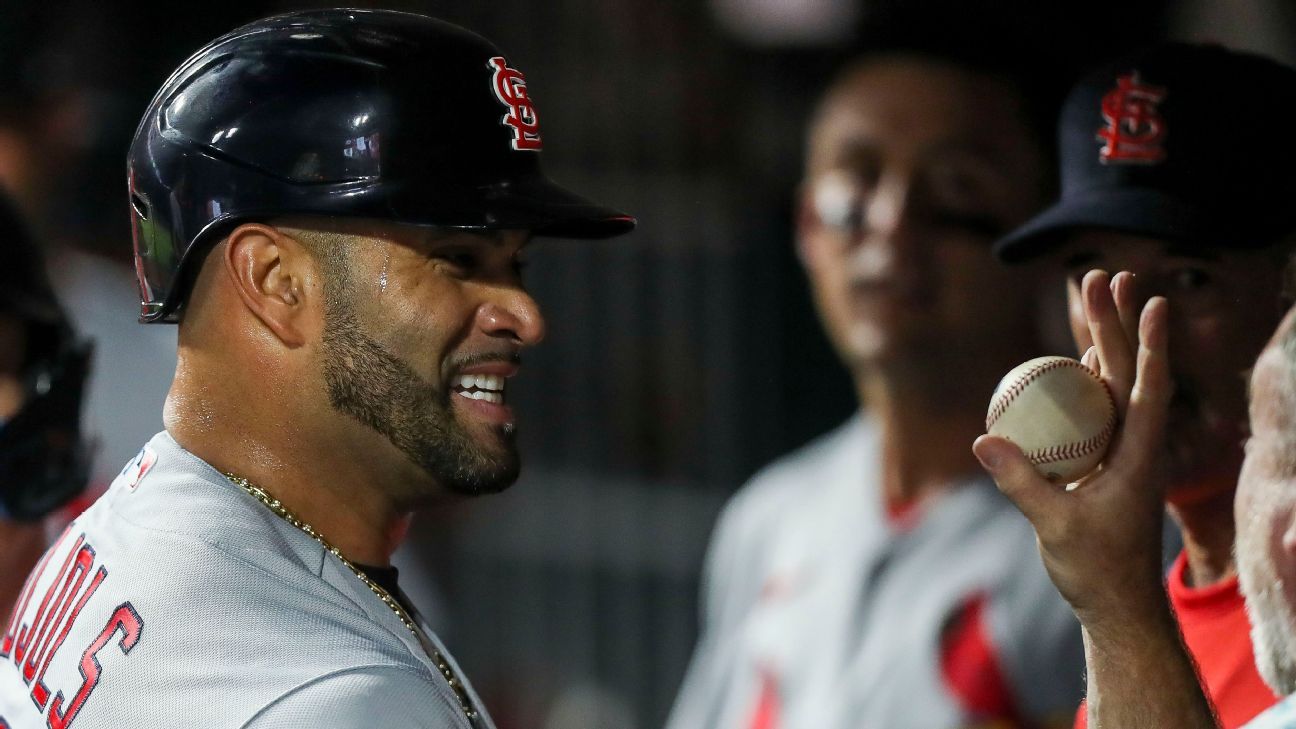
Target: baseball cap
[[1192, 143]]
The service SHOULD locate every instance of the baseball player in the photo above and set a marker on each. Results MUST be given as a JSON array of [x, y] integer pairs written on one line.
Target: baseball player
[[876, 578], [43, 367], [333, 206], [1148, 188]]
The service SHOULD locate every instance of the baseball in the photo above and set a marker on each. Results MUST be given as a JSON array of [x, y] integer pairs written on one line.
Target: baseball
[[1058, 412]]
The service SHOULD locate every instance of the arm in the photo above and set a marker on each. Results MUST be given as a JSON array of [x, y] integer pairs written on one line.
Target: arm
[[1100, 538], [1141, 675]]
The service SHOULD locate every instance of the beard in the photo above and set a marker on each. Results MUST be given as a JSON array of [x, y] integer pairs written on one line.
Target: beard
[[1273, 621], [369, 383]]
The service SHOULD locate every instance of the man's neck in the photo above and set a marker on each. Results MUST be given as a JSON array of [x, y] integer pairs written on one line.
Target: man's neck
[[926, 448], [1208, 532], [329, 486]]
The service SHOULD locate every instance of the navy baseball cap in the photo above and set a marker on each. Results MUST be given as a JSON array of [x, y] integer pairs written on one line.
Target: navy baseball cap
[[1192, 143]]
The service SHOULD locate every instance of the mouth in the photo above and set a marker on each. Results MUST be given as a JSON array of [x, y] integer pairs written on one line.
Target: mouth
[[486, 388], [877, 290], [480, 391]]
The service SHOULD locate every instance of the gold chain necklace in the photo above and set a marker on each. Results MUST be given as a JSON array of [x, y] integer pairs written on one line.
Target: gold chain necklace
[[277, 507]]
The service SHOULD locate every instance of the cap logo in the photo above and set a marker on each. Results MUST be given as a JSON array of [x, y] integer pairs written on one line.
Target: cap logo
[[1135, 128], [510, 89]]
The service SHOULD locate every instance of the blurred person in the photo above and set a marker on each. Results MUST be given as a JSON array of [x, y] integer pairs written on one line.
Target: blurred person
[[1148, 188], [43, 367], [67, 108], [333, 206], [875, 577]]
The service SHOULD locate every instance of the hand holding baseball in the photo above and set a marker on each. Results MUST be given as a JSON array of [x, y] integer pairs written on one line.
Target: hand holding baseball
[[1101, 538]]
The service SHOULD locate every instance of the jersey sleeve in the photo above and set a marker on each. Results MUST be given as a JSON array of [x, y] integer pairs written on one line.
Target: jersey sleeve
[[361, 698]]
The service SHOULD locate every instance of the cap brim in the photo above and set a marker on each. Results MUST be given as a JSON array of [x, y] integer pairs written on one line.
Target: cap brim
[[547, 209], [1136, 211]]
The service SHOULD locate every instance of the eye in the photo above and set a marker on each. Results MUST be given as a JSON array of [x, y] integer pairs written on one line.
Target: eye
[[465, 260], [1189, 278], [838, 202], [974, 224]]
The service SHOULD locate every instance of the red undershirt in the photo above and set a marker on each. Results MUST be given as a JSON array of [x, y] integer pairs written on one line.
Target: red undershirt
[[1217, 632]]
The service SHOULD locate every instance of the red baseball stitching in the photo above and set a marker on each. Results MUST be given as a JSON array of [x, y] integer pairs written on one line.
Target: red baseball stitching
[[1006, 397], [1063, 452], [1068, 451]]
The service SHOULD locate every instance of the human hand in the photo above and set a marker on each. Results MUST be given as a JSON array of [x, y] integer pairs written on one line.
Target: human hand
[[1100, 538]]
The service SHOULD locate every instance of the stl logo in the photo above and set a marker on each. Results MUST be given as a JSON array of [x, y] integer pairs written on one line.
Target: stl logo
[[1135, 128], [510, 89]]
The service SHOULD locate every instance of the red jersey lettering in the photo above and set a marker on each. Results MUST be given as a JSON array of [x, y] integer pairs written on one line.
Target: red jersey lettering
[[123, 619], [20, 607], [40, 692], [26, 632]]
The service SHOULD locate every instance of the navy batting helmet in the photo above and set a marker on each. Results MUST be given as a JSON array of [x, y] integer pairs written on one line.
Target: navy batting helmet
[[359, 113]]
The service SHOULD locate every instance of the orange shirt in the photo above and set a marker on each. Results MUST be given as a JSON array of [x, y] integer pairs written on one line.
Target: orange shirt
[[1218, 634]]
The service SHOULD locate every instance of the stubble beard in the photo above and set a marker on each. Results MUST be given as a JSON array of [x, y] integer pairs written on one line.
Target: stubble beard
[[372, 385]]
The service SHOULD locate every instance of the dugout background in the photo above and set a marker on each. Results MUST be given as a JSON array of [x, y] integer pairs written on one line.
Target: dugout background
[[678, 359]]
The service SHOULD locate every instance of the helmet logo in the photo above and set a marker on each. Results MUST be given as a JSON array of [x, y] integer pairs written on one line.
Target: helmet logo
[[510, 89], [1135, 128]]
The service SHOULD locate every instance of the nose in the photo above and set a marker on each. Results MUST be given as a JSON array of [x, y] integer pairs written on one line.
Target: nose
[[888, 231], [513, 314]]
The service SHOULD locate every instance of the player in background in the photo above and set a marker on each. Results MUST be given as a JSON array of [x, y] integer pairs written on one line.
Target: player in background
[[876, 577], [43, 368], [333, 206], [1154, 182]]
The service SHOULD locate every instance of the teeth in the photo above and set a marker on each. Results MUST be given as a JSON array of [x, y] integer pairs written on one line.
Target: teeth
[[492, 383], [493, 397]]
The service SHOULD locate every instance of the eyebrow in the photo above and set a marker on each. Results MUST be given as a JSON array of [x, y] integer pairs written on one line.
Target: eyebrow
[[496, 237], [1178, 250], [1083, 258]]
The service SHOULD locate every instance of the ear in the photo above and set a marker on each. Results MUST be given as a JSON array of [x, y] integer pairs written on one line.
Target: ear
[[808, 226], [272, 274], [1289, 537]]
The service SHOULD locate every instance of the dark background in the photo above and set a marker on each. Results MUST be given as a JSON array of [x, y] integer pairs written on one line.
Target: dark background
[[679, 359]]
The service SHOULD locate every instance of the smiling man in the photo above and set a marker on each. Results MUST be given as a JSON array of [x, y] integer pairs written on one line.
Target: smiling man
[[333, 206]]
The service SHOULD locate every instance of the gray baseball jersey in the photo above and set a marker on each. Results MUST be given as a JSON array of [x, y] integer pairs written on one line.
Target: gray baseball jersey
[[819, 612], [178, 600]]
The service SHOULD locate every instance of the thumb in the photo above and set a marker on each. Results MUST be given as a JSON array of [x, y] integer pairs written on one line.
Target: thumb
[[1017, 478]]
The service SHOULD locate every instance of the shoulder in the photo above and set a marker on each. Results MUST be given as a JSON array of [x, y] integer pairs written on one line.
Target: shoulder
[[798, 479], [782, 513], [188, 593], [362, 697]]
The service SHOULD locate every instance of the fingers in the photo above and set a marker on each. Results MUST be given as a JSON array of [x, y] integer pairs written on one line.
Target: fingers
[[1125, 293], [1114, 350], [1090, 359], [1150, 396], [1017, 478]]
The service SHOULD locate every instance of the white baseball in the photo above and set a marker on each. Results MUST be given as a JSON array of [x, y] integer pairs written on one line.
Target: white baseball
[[1058, 412]]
